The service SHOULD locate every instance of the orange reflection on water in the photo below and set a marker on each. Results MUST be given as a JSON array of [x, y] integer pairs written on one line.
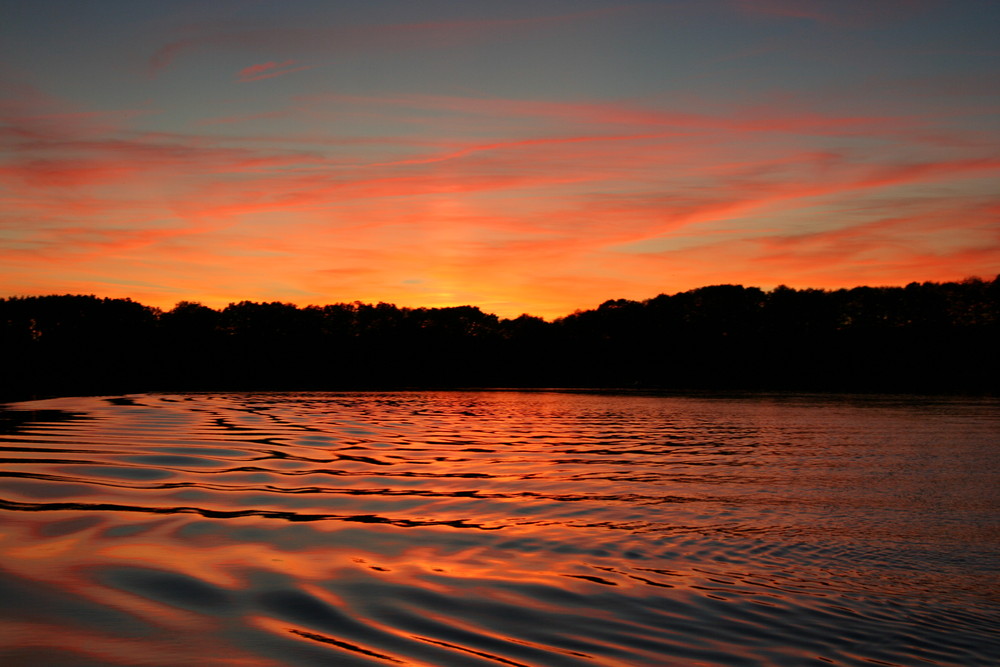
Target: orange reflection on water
[[41, 644], [436, 529]]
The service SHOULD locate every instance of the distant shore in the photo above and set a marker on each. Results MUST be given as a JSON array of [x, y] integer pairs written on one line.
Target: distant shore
[[925, 338]]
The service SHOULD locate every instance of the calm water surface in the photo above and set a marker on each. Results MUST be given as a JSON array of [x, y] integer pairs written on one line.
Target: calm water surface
[[499, 528]]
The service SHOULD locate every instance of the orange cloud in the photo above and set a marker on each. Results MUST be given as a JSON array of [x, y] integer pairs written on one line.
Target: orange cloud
[[761, 119], [599, 201], [922, 244]]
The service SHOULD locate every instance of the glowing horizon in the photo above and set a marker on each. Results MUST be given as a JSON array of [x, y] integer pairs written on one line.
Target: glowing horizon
[[520, 157]]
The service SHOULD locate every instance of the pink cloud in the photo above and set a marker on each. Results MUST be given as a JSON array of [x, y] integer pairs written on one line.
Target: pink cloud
[[254, 70], [26, 113], [758, 119], [269, 70], [243, 118]]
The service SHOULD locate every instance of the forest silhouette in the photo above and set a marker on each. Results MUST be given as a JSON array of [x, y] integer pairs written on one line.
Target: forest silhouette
[[925, 337]]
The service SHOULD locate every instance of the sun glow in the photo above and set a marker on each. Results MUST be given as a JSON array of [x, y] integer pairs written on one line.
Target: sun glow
[[515, 160]]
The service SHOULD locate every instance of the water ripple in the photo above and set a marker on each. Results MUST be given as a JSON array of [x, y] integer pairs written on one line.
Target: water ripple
[[511, 528]]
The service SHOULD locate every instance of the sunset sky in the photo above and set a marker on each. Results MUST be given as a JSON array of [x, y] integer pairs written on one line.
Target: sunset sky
[[522, 156]]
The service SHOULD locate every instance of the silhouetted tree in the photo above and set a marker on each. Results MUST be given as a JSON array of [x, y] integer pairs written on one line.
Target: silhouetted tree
[[922, 337], [74, 343]]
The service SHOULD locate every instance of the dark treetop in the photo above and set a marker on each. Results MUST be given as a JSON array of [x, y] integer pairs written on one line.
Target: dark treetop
[[930, 337]]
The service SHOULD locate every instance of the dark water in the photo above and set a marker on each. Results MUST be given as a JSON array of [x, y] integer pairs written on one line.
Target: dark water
[[499, 528]]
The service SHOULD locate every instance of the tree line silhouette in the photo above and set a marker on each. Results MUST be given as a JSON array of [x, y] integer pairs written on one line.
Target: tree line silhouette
[[925, 337]]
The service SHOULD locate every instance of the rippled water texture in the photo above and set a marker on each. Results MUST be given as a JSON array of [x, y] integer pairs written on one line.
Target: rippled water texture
[[510, 528]]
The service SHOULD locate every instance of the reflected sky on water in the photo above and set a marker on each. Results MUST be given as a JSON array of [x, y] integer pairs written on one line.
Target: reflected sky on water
[[484, 528]]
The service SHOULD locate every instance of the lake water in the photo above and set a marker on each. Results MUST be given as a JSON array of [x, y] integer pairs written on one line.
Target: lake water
[[499, 528]]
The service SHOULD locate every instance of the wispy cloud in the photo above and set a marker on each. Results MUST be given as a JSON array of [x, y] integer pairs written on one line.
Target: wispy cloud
[[340, 39], [761, 118], [270, 70], [244, 118], [603, 193]]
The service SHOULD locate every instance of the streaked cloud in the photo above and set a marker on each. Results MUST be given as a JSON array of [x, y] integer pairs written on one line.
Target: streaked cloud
[[334, 186], [270, 70], [362, 37]]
